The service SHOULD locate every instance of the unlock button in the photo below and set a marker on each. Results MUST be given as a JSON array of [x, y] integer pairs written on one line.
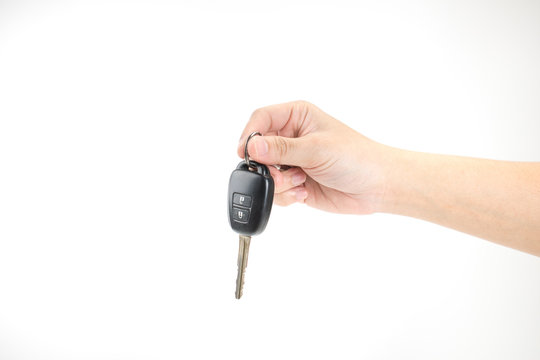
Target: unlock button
[[242, 200], [240, 215]]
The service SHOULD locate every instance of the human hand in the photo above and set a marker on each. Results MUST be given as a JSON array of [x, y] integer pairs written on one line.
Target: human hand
[[333, 167]]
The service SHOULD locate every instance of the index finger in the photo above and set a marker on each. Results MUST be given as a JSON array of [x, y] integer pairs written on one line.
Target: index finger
[[287, 119]]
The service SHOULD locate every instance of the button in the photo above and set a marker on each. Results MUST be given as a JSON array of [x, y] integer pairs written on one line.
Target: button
[[242, 200], [240, 215]]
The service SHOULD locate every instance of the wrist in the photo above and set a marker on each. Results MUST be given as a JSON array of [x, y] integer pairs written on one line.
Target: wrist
[[400, 174]]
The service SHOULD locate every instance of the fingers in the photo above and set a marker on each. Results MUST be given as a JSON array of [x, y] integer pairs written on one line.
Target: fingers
[[289, 186], [286, 119], [286, 141], [286, 180], [296, 194], [283, 151]]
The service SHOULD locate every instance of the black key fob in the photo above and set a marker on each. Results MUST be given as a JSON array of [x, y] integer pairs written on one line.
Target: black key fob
[[251, 194]]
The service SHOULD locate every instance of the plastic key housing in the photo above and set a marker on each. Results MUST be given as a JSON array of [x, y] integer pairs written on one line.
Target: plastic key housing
[[250, 198]]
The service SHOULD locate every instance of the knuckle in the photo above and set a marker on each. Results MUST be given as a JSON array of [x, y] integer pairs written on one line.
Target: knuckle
[[282, 147], [303, 106], [301, 102], [257, 113]]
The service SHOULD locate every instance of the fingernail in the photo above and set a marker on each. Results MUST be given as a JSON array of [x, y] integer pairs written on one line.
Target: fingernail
[[298, 179], [301, 195], [261, 147]]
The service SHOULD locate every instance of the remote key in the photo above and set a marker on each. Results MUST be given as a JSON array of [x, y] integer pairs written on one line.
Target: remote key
[[250, 197]]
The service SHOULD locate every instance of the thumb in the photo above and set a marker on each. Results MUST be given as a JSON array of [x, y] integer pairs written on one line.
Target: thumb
[[281, 150]]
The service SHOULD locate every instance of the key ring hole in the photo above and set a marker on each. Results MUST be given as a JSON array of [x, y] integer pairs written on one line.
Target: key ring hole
[[246, 155]]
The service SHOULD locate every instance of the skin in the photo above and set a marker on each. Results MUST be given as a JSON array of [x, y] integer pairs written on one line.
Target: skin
[[336, 169]]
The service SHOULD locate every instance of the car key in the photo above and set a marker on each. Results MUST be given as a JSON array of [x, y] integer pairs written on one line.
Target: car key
[[250, 197]]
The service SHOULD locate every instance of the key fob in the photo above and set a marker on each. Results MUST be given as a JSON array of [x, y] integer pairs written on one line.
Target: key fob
[[251, 194]]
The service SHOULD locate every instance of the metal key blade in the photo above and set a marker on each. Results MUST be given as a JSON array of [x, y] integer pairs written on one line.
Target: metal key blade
[[243, 252]]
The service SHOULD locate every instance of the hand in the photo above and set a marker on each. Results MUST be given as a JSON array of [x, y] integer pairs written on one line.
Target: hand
[[339, 170], [334, 168]]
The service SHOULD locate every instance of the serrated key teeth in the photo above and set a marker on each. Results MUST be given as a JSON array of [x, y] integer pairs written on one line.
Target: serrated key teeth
[[243, 252]]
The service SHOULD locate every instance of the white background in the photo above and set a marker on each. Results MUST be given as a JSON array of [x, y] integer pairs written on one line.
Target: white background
[[119, 123]]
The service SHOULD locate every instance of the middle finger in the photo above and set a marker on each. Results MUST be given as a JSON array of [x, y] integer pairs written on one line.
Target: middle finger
[[287, 179]]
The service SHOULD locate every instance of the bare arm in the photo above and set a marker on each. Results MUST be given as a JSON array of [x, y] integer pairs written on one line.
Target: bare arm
[[495, 200]]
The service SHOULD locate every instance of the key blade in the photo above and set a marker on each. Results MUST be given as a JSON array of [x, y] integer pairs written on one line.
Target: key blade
[[243, 252]]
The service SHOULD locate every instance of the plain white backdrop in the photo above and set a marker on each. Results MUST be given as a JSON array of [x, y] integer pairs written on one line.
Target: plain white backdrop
[[119, 122]]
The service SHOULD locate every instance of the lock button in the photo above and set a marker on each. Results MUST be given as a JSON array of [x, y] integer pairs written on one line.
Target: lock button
[[240, 215]]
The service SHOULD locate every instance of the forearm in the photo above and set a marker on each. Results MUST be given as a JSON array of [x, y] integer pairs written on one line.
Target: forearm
[[495, 200]]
